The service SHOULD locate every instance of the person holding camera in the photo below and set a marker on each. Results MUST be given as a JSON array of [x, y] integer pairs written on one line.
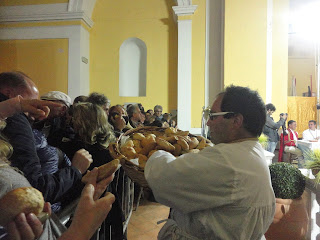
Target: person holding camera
[[271, 127]]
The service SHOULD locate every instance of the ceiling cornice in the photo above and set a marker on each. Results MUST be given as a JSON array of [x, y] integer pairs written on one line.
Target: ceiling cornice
[[74, 10]]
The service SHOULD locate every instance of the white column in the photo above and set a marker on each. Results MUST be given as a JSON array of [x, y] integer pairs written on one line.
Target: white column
[[184, 73], [184, 63], [214, 65]]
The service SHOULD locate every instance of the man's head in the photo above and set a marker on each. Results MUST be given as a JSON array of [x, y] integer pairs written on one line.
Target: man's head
[[101, 100], [150, 111], [312, 125], [134, 113], [240, 113], [158, 110], [270, 108], [13, 84], [292, 125], [79, 99], [59, 97]]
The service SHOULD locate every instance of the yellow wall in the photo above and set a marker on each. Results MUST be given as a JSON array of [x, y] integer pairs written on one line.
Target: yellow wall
[[246, 47], [44, 60], [302, 69], [302, 110], [29, 2], [245, 44], [152, 22], [280, 55]]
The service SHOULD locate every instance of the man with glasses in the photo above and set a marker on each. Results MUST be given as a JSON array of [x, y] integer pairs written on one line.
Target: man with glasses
[[224, 191], [271, 127]]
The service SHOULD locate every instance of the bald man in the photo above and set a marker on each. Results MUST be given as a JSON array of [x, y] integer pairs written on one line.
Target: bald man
[[25, 158]]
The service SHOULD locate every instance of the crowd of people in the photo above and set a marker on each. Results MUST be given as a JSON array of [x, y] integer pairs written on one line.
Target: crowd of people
[[51, 143], [56, 141]]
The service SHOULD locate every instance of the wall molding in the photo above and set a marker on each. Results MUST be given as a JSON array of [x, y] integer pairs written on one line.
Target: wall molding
[[74, 10], [184, 10]]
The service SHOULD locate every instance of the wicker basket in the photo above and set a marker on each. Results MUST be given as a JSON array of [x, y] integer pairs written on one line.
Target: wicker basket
[[135, 172]]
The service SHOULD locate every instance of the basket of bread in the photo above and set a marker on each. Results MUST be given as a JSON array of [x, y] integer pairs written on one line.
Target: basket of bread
[[135, 146]]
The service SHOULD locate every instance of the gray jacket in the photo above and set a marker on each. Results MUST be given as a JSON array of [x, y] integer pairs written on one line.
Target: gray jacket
[[271, 128]]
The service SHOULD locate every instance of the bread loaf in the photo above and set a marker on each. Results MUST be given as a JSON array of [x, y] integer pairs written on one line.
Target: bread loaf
[[21, 200], [104, 170]]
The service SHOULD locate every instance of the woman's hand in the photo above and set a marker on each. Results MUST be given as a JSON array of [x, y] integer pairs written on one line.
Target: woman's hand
[[99, 187], [89, 214], [118, 121], [26, 227]]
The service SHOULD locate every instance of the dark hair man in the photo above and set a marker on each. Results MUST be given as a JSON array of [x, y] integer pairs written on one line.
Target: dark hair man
[[232, 190], [312, 134], [290, 141], [271, 128], [101, 100], [25, 158]]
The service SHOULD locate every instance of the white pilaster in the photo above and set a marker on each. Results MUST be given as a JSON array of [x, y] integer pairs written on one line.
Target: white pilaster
[[184, 73], [184, 63]]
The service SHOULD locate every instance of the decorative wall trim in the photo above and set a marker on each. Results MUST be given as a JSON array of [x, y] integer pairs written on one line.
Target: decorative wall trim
[[184, 10], [48, 12], [85, 6], [48, 17]]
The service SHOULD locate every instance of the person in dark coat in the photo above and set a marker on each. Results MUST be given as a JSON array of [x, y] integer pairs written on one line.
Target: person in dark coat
[[94, 133], [25, 158]]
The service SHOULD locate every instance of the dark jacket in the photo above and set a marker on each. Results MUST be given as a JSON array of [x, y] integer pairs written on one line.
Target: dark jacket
[[271, 128], [53, 186], [100, 156]]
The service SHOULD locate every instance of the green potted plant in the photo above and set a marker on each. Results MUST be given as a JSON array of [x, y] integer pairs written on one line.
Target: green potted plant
[[291, 218], [312, 159], [263, 140]]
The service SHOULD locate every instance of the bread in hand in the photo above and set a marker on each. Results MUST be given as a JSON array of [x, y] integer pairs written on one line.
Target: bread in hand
[[21, 200], [104, 170]]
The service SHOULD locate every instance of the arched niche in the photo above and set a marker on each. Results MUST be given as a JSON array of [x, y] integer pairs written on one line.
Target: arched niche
[[132, 68]]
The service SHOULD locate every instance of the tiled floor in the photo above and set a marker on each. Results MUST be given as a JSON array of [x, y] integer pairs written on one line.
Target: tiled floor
[[143, 223]]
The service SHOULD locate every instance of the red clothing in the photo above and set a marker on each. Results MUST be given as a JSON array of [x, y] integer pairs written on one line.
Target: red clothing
[[288, 141]]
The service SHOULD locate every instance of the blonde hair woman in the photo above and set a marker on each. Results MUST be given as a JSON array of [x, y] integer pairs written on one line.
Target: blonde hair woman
[[93, 133]]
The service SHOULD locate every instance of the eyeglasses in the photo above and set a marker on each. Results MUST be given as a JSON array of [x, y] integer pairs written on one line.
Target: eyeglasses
[[215, 115]]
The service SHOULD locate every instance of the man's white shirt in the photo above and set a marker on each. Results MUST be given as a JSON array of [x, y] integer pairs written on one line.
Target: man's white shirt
[[310, 134]]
